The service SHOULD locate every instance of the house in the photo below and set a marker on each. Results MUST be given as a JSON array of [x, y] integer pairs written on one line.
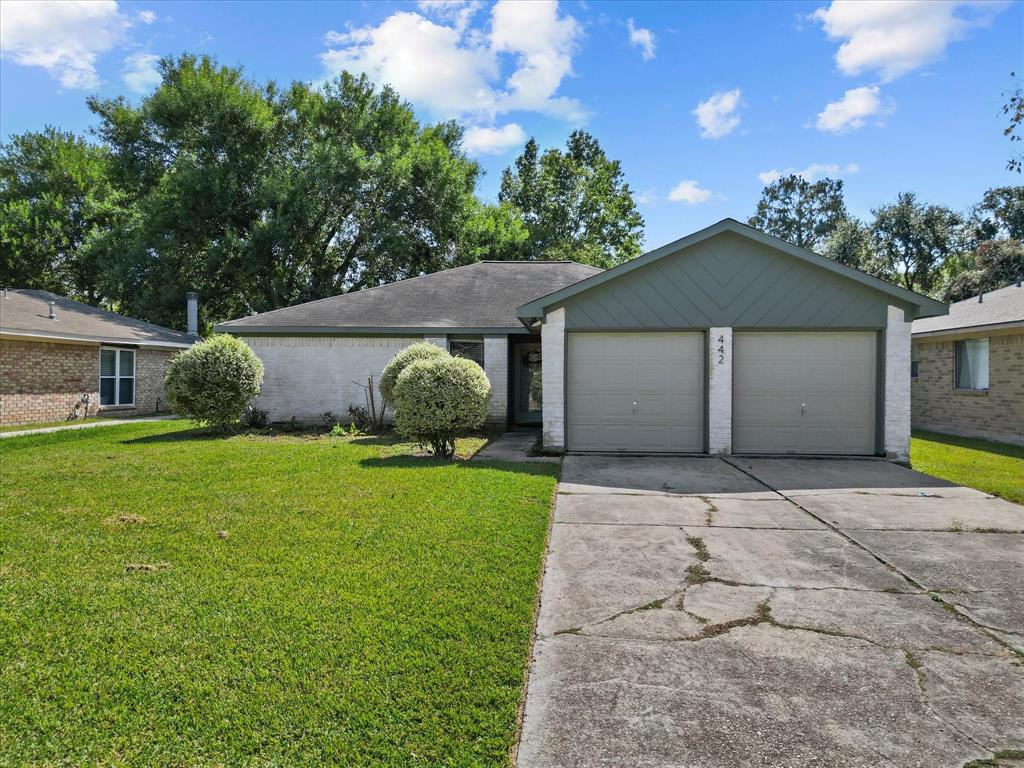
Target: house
[[728, 340], [61, 359], [968, 368]]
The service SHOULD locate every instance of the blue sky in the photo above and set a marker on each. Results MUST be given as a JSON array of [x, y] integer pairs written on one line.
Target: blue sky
[[701, 102]]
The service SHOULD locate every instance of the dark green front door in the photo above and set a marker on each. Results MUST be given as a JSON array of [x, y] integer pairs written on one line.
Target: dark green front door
[[526, 381]]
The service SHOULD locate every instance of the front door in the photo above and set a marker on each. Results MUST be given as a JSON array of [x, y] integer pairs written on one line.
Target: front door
[[526, 372]]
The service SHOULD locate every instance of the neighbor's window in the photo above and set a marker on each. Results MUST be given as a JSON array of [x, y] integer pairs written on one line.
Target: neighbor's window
[[913, 369], [471, 349], [117, 376], [972, 364]]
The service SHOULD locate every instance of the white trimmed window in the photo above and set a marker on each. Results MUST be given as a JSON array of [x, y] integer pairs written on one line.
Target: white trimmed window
[[471, 349], [972, 364], [117, 376]]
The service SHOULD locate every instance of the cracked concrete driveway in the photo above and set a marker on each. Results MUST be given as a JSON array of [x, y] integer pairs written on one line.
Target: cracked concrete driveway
[[705, 612]]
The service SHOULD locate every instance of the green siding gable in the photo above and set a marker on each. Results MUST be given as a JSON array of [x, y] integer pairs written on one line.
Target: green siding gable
[[729, 280]]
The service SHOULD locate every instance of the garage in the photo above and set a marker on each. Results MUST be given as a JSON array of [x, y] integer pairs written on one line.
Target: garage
[[804, 392], [638, 392]]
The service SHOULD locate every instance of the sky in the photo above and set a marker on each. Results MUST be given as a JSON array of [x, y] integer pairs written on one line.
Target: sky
[[703, 103]]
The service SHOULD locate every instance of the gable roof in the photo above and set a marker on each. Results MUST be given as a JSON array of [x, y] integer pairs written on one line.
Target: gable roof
[[922, 306], [1001, 308], [26, 313], [476, 298]]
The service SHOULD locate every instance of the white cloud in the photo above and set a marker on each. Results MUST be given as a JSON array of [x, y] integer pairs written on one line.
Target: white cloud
[[853, 110], [453, 70], [646, 197], [643, 38], [493, 141], [811, 172], [717, 116], [139, 72], [690, 192], [147, 17], [898, 36], [63, 37]]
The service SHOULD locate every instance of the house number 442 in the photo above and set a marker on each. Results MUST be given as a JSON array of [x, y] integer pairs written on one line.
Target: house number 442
[[721, 350]]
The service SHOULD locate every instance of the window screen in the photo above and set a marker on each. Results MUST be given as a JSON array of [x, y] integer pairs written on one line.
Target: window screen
[[972, 364], [471, 349], [117, 376]]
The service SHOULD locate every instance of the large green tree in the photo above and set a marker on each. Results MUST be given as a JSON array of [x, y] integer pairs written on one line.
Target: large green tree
[[576, 204], [799, 211], [912, 240], [1000, 214], [994, 264], [57, 211], [494, 232]]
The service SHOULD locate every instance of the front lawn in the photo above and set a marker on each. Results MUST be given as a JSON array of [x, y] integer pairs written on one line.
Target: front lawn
[[996, 468], [44, 424], [171, 599]]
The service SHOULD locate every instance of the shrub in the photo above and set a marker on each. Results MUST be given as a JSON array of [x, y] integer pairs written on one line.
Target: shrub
[[439, 399], [213, 381], [419, 351]]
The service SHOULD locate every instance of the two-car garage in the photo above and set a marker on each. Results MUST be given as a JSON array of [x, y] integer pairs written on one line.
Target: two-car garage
[[792, 392]]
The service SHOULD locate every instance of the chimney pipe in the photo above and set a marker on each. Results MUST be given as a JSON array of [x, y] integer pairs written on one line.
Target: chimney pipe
[[192, 313], [53, 310], [981, 298]]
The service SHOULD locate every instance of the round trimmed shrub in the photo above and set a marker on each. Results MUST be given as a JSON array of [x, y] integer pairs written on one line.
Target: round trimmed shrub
[[439, 399], [419, 351], [213, 382]]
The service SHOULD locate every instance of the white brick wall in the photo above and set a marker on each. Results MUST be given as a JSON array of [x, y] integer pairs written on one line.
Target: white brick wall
[[720, 390], [552, 336], [896, 440], [307, 375], [437, 341], [496, 368]]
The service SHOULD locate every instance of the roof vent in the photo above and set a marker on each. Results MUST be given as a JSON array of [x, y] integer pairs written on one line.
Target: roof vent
[[53, 310], [5, 291]]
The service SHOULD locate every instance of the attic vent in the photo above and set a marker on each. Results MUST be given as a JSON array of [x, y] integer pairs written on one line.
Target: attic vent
[[53, 310]]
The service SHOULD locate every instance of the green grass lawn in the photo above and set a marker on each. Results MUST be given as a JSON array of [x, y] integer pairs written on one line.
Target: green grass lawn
[[170, 599], [42, 424], [995, 468]]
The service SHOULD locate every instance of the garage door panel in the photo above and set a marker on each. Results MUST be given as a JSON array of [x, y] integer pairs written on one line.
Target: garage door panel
[[662, 372], [811, 392]]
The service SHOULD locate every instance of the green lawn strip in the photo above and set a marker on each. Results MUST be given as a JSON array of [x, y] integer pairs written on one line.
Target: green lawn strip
[[311, 600], [44, 424], [996, 468]]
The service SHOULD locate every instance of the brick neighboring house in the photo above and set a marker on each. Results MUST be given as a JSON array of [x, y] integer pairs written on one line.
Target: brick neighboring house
[[967, 368], [60, 359]]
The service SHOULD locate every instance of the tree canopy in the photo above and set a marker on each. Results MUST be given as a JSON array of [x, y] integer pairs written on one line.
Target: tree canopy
[[799, 211]]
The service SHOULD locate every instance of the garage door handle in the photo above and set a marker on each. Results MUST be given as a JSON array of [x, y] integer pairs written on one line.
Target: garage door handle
[[803, 409], [634, 409]]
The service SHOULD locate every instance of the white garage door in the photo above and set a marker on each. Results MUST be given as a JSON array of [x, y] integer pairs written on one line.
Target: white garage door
[[636, 392], [804, 392]]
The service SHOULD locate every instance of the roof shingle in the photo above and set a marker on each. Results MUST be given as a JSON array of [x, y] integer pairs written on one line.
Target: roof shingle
[[1005, 305]]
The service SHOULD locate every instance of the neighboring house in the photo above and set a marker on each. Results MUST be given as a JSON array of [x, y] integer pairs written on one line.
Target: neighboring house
[[968, 368], [727, 340], [60, 359]]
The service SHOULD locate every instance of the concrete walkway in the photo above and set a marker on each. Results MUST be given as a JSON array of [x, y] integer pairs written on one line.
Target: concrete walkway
[[89, 425], [514, 446], [776, 612]]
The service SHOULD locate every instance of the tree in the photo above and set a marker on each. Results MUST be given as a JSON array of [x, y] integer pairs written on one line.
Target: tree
[[57, 207], [423, 350], [850, 243], [214, 381], [576, 204], [1014, 109], [799, 211], [912, 240], [995, 264], [494, 232], [1000, 214]]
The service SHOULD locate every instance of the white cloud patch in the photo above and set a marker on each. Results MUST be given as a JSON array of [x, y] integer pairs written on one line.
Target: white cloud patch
[[811, 173], [454, 70], [690, 192], [718, 115], [493, 141], [147, 17], [853, 111], [140, 73], [895, 37], [64, 37], [642, 38], [646, 197]]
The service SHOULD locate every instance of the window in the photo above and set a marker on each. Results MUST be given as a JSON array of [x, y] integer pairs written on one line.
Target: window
[[972, 364], [117, 376], [913, 369], [471, 349]]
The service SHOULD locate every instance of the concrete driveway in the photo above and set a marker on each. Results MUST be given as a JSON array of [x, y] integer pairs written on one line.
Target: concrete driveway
[[704, 612]]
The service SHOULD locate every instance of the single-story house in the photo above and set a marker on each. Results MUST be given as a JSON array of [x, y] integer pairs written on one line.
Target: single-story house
[[727, 340], [61, 359], [968, 368]]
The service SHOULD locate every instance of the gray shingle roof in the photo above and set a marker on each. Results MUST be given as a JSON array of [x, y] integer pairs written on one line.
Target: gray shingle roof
[[27, 313], [476, 297], [1005, 305]]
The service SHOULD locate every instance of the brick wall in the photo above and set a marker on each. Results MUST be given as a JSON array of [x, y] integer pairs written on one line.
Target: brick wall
[[897, 419], [552, 334], [995, 414], [42, 381]]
